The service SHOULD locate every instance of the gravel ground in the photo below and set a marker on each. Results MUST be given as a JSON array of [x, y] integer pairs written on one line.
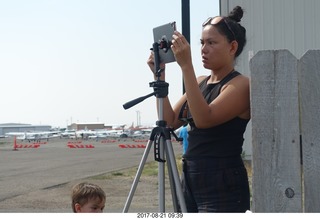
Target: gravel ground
[[43, 197], [117, 187]]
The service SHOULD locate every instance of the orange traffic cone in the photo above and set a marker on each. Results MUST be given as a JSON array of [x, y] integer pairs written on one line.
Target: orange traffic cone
[[15, 144]]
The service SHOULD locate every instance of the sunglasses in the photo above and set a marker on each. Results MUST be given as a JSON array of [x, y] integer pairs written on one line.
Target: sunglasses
[[210, 19]]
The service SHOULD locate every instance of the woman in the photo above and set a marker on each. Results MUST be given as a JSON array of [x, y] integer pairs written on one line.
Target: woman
[[217, 108]]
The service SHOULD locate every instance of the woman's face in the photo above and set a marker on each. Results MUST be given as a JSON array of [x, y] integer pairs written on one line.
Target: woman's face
[[216, 51]]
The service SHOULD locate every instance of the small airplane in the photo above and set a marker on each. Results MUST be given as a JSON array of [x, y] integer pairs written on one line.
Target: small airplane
[[108, 134], [68, 134], [33, 136], [86, 134], [142, 133]]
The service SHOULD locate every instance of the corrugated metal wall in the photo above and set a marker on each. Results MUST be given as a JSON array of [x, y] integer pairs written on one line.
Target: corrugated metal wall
[[275, 24]]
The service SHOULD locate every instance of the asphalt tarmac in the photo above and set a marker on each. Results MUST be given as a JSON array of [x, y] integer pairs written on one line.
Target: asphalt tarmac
[[30, 166]]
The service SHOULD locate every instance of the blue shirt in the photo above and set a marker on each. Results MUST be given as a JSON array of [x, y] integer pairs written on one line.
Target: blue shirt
[[183, 133]]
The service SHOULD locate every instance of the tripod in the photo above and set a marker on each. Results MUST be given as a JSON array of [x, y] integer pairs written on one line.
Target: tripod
[[161, 138]]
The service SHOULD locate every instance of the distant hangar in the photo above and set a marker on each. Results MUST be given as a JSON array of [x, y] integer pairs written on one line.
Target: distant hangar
[[20, 127]]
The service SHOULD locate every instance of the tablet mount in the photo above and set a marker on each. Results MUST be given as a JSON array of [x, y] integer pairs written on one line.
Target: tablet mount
[[164, 44]]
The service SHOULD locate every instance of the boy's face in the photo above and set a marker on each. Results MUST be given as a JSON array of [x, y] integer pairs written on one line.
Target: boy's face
[[94, 205]]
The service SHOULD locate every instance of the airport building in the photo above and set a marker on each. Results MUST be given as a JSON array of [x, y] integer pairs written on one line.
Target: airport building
[[19, 127], [86, 126], [93, 126]]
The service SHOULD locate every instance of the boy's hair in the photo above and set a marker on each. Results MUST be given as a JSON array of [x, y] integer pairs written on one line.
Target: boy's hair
[[82, 192]]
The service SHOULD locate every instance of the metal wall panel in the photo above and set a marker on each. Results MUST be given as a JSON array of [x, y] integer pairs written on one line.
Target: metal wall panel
[[275, 24]]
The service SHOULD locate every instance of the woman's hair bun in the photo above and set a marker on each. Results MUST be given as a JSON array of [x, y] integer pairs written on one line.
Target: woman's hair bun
[[236, 14]]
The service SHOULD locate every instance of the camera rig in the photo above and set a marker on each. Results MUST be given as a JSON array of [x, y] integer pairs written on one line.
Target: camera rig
[[161, 138]]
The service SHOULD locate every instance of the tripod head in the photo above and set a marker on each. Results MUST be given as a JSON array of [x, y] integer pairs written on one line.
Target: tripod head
[[160, 88]]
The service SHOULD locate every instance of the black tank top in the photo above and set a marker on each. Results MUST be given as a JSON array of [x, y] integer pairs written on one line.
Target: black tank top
[[224, 140]]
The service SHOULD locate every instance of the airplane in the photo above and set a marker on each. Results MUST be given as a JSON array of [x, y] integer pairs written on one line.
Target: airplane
[[33, 136], [68, 133], [102, 133], [142, 133], [90, 134], [86, 134], [113, 133]]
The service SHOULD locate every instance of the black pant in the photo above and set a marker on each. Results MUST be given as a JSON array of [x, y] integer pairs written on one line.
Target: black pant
[[215, 185]]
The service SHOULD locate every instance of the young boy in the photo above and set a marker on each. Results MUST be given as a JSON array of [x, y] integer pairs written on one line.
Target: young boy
[[88, 198]]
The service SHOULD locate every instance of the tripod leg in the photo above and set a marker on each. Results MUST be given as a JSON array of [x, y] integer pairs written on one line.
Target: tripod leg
[[161, 177], [175, 175], [137, 177], [172, 185]]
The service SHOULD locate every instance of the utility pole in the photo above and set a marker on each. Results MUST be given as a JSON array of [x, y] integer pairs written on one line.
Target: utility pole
[[185, 12], [138, 118]]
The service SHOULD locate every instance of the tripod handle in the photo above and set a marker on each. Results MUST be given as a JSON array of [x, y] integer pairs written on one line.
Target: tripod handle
[[136, 101]]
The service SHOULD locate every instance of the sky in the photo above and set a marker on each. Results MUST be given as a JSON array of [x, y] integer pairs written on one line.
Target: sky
[[79, 61]]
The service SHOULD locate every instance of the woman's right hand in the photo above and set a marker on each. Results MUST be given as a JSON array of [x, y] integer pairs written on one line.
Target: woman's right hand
[[150, 62], [151, 65]]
